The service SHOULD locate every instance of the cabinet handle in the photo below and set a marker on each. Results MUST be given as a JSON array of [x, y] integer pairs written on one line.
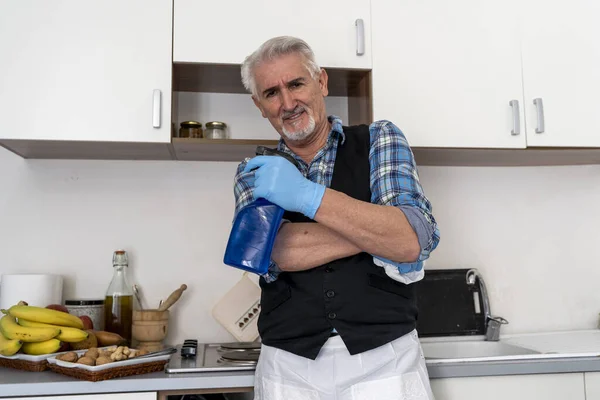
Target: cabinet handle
[[516, 130], [539, 105], [156, 109], [360, 37]]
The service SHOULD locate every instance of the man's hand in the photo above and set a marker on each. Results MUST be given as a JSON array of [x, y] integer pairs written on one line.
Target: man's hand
[[279, 181]]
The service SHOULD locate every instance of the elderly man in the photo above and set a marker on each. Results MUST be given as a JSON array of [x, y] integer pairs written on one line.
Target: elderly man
[[338, 309]]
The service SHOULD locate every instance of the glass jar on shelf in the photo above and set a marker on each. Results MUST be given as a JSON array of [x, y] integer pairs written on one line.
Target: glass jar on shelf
[[216, 130], [190, 129]]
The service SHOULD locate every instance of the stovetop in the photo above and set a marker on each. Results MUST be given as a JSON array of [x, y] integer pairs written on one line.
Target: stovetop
[[214, 357]]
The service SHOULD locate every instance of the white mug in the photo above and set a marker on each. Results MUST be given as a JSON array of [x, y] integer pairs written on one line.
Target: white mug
[[36, 289]]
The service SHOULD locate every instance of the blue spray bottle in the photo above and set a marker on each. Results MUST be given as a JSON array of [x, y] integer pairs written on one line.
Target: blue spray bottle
[[254, 229]]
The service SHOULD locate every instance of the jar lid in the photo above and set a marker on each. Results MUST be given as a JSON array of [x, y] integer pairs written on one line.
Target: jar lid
[[191, 124], [216, 124], [84, 302]]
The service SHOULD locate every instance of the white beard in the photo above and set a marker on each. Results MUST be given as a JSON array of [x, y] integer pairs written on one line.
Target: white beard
[[301, 134]]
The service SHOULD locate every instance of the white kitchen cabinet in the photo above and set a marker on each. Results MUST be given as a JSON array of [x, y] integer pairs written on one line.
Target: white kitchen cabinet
[[446, 72], [561, 66], [87, 71], [113, 396], [592, 385], [227, 31], [511, 387]]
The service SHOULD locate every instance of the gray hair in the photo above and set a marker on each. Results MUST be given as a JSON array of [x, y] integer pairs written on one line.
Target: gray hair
[[273, 48]]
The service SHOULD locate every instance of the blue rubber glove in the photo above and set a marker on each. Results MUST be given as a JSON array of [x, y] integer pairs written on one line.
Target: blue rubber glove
[[279, 181], [403, 268]]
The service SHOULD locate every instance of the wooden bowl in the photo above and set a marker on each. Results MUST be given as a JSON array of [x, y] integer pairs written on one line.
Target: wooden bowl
[[150, 326]]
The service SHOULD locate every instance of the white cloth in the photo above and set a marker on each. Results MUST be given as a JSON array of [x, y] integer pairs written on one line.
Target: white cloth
[[394, 371], [407, 278]]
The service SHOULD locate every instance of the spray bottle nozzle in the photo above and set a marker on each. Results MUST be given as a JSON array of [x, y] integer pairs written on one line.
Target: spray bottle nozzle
[[266, 151]]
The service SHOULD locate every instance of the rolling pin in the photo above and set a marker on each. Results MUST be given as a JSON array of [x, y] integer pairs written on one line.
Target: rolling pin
[[172, 298]]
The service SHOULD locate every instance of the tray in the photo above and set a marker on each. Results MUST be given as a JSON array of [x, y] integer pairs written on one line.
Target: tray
[[26, 362], [117, 369]]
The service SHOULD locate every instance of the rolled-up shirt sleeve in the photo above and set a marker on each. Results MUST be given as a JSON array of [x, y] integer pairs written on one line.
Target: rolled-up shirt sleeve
[[243, 184], [395, 182]]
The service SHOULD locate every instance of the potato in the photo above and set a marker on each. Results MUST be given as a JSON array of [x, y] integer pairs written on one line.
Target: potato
[[104, 353], [68, 357], [87, 361], [92, 353], [103, 360]]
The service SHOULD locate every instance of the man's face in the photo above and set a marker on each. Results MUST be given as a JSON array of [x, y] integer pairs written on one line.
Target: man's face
[[289, 97]]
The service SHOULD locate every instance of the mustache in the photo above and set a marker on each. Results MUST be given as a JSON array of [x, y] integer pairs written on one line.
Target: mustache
[[296, 110]]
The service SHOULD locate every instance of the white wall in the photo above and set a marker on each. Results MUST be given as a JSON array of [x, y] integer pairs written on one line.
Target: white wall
[[531, 231]]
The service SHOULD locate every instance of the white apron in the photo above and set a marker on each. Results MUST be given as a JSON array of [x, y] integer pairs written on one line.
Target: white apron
[[394, 371]]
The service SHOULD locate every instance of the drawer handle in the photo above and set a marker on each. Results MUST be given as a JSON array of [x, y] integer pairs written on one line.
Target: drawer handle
[[156, 108], [360, 37], [516, 130], [539, 105]]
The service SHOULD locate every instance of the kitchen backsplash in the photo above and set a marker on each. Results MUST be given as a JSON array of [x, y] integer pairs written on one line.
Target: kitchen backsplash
[[532, 232]]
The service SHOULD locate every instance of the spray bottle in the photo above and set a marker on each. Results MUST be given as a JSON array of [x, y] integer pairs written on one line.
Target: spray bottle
[[254, 229]]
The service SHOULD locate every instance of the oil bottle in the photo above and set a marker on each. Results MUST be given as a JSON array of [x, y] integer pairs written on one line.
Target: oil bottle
[[118, 304]]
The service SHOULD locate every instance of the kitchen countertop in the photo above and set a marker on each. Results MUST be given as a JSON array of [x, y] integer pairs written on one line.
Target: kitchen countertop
[[561, 352], [21, 383]]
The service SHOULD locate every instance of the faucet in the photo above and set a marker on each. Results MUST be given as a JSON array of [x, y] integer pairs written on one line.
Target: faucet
[[492, 323]]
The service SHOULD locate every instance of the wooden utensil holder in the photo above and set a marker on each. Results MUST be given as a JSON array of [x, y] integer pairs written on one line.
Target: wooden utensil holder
[[150, 328]]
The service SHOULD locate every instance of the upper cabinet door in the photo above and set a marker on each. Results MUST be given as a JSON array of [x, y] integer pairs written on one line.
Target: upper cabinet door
[[447, 72], [97, 70], [226, 31], [561, 68]]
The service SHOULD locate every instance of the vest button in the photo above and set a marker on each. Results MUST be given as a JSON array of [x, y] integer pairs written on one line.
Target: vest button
[[330, 293], [332, 315], [328, 269]]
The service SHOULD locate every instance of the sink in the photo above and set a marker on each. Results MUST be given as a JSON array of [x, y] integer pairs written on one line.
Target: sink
[[472, 349]]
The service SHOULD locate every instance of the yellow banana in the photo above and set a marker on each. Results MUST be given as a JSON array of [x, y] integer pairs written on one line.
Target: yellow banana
[[67, 334], [45, 315], [41, 348], [11, 330], [9, 347]]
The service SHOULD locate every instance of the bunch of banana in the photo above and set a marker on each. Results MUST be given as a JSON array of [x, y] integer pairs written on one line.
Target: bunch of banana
[[45, 316], [9, 347], [37, 330], [67, 334]]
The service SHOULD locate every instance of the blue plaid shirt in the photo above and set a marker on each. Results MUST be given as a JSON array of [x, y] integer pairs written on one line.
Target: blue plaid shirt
[[394, 182]]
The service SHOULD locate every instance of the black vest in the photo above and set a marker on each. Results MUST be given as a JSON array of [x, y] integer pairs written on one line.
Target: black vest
[[353, 295]]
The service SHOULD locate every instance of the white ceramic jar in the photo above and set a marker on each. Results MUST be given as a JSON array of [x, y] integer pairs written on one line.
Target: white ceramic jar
[[93, 308]]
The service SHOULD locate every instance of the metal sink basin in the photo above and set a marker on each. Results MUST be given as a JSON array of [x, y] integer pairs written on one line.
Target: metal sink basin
[[472, 349]]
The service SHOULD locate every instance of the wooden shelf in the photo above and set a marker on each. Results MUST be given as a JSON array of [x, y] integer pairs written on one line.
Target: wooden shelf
[[186, 149], [226, 78], [235, 150], [87, 150]]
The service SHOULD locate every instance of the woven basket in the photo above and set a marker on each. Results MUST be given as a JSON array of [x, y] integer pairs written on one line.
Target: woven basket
[[24, 365], [111, 373]]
